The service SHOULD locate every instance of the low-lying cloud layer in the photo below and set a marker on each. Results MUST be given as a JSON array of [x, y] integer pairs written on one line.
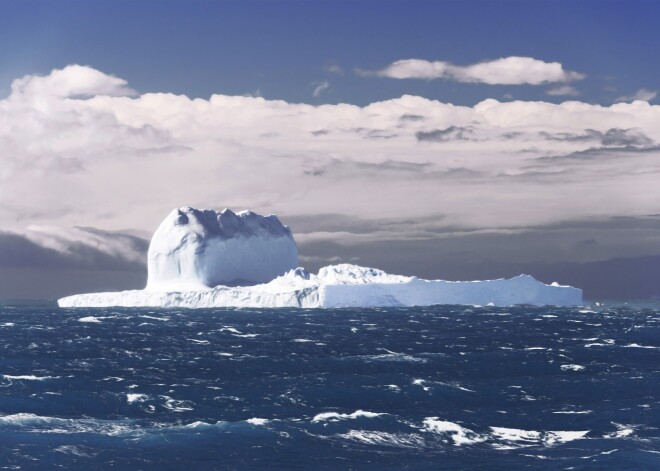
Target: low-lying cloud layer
[[49, 262], [73, 248], [79, 147]]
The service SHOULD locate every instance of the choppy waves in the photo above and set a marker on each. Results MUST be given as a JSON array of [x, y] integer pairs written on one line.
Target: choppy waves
[[418, 388]]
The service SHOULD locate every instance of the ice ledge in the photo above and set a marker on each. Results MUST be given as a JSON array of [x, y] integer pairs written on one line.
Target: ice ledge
[[344, 286]]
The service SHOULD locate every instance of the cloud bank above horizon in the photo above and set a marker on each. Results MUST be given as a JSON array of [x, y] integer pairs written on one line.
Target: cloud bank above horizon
[[79, 147]]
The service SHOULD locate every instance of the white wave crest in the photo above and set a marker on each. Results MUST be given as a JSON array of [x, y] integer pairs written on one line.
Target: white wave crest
[[335, 416], [499, 437], [131, 398], [523, 438], [29, 377], [458, 434], [376, 438], [257, 421]]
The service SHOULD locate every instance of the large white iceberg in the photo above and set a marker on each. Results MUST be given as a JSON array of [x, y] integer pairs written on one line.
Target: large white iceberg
[[344, 286], [197, 249], [202, 258]]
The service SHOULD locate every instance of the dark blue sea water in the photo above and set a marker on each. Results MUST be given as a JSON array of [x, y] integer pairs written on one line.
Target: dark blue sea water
[[416, 388]]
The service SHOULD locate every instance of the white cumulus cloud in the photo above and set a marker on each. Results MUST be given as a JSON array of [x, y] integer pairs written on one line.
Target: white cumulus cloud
[[513, 70], [93, 154], [562, 90], [71, 81], [641, 94]]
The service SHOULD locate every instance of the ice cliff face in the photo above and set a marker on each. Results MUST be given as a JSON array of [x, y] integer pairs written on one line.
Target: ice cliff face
[[196, 249]]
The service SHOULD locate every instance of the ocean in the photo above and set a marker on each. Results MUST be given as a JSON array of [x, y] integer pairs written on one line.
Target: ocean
[[444, 387]]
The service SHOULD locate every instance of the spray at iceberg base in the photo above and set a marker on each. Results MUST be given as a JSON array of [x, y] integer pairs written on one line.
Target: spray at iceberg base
[[344, 286], [203, 258]]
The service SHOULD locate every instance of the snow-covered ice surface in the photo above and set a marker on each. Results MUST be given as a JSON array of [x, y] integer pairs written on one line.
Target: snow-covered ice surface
[[344, 286], [196, 249]]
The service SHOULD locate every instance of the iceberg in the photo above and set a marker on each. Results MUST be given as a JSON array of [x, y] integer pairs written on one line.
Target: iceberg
[[344, 285], [198, 249], [208, 259]]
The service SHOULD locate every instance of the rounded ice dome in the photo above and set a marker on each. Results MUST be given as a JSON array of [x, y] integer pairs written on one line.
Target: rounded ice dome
[[196, 249]]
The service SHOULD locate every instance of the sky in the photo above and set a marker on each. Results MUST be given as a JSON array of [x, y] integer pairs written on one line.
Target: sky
[[455, 140]]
